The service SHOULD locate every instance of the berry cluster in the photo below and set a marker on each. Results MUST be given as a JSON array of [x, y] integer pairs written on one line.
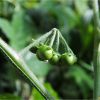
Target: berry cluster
[[45, 52]]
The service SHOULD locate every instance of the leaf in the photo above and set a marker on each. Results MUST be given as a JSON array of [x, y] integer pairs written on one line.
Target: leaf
[[81, 6], [83, 80], [9, 97], [30, 4], [69, 20], [81, 76], [23, 29], [36, 95], [51, 90], [7, 28], [39, 68]]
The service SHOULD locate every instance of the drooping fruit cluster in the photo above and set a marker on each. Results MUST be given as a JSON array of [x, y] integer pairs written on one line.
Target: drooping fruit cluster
[[45, 52]]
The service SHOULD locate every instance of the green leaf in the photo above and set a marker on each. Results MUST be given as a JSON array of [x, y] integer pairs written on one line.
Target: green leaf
[[51, 90], [30, 4], [81, 6], [83, 80], [35, 65], [24, 29], [36, 95], [69, 20], [9, 97], [7, 28], [80, 76]]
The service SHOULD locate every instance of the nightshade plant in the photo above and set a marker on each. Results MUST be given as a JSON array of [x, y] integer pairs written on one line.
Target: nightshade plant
[[47, 49]]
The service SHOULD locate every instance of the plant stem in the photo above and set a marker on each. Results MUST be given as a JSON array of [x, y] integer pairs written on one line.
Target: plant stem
[[95, 56], [42, 38], [20, 64], [53, 37], [57, 42], [65, 43]]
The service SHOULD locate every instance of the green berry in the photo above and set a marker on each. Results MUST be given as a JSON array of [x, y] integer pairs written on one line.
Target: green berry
[[68, 58], [55, 58], [71, 58], [44, 52], [63, 59]]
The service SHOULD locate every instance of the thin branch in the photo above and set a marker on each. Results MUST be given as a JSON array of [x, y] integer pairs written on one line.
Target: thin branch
[[53, 37], [57, 42], [20, 64], [42, 38], [65, 43]]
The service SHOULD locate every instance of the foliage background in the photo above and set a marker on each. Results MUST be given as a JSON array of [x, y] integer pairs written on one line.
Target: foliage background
[[24, 20]]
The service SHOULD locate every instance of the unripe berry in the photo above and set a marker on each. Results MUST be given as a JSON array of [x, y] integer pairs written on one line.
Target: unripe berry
[[68, 58], [55, 58], [44, 52]]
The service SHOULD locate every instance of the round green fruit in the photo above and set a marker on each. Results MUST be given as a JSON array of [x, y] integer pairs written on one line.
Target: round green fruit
[[71, 58], [68, 58], [44, 52], [63, 59], [55, 58]]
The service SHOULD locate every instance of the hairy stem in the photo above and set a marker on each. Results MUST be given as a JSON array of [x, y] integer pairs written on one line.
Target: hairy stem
[[57, 42], [96, 46], [53, 37], [42, 38], [65, 43], [20, 64]]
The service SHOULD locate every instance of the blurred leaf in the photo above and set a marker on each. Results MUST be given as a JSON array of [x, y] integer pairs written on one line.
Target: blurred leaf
[[9, 97], [40, 68], [7, 28], [80, 76], [18, 25], [51, 90], [23, 29], [87, 36], [83, 80], [36, 95], [6, 8], [67, 18], [81, 6], [30, 3], [86, 66]]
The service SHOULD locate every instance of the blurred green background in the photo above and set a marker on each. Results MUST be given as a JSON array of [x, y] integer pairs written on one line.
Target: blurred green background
[[24, 20]]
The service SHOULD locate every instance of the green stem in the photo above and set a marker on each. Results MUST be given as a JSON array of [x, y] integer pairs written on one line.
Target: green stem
[[65, 43], [95, 56], [57, 42], [53, 37], [42, 38], [20, 64], [86, 66]]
